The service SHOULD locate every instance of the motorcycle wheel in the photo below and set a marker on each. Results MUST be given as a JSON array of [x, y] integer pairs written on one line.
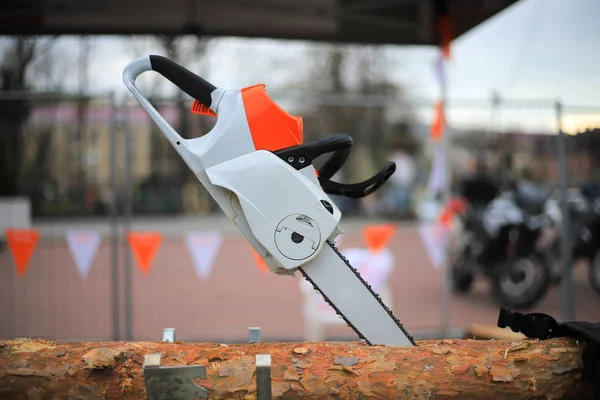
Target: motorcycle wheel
[[594, 273], [462, 278], [521, 284], [553, 259]]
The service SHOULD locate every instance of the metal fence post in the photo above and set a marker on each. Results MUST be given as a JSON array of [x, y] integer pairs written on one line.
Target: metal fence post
[[128, 312], [447, 194], [567, 303], [114, 220]]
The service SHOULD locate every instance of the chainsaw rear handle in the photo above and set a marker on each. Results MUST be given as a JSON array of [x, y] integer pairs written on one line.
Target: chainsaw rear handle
[[185, 80], [195, 86]]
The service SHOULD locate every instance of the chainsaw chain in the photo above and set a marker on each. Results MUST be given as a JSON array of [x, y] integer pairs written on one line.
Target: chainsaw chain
[[360, 335]]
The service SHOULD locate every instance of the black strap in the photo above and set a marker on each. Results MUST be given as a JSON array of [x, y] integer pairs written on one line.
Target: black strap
[[532, 325], [543, 326]]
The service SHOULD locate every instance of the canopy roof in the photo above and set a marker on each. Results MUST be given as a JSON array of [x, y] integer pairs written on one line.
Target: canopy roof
[[405, 22]]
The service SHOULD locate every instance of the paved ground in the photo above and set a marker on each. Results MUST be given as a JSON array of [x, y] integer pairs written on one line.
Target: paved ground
[[52, 301]]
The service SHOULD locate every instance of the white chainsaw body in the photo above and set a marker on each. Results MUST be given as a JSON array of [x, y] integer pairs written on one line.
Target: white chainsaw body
[[246, 183]]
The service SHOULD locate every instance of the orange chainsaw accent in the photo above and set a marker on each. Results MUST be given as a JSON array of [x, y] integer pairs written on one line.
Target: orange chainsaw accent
[[272, 128], [199, 108]]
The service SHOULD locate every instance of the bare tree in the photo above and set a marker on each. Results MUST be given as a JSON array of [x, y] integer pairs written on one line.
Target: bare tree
[[19, 57], [353, 72]]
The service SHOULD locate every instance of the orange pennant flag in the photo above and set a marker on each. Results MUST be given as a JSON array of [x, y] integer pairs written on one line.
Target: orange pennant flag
[[446, 31], [437, 128], [22, 242], [454, 206], [144, 246], [446, 219], [377, 237], [262, 265]]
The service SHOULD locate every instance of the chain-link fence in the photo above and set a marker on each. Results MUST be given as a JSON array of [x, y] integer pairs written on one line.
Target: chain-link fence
[[96, 166], [61, 159]]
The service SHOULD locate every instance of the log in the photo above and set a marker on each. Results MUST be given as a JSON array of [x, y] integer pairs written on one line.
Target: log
[[434, 369]]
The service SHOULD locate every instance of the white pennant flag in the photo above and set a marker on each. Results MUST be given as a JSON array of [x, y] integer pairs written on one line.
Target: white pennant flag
[[83, 247], [437, 176], [203, 248], [434, 237], [439, 69]]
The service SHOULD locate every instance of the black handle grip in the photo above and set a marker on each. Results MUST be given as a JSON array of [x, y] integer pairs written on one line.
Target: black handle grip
[[360, 189], [184, 79], [335, 162], [303, 154], [340, 144]]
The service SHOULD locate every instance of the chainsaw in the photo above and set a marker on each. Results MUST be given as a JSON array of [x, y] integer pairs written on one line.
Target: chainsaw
[[256, 167]]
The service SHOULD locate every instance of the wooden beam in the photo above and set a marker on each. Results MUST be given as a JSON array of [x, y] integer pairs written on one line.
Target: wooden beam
[[434, 369]]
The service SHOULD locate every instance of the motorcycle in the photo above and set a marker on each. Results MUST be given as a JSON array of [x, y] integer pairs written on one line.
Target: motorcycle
[[499, 239], [584, 211]]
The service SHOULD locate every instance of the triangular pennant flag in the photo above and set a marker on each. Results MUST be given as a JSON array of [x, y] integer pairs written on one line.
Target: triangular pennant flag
[[440, 71], [144, 246], [262, 265], [378, 236], [83, 247], [434, 238], [22, 242], [454, 206], [437, 176], [437, 128], [446, 31], [203, 248]]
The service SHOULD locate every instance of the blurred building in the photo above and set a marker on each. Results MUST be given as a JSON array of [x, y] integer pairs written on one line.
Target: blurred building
[[535, 155], [73, 161]]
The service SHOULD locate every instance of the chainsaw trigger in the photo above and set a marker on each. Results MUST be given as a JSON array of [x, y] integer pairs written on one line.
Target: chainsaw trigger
[[360, 189]]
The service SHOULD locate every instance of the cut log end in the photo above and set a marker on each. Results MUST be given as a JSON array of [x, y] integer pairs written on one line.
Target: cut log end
[[435, 369]]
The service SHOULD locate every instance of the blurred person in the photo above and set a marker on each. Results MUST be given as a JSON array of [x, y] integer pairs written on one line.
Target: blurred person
[[397, 196], [479, 186]]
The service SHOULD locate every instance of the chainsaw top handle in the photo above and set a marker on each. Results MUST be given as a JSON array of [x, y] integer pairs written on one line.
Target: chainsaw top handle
[[340, 145]]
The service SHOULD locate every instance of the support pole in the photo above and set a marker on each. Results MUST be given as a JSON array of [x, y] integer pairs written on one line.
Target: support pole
[[447, 276], [128, 312], [114, 221], [567, 303]]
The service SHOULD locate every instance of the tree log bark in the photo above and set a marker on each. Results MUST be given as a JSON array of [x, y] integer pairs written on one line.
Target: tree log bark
[[435, 369]]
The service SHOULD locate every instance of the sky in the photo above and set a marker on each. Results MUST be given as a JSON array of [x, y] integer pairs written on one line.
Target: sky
[[546, 49]]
